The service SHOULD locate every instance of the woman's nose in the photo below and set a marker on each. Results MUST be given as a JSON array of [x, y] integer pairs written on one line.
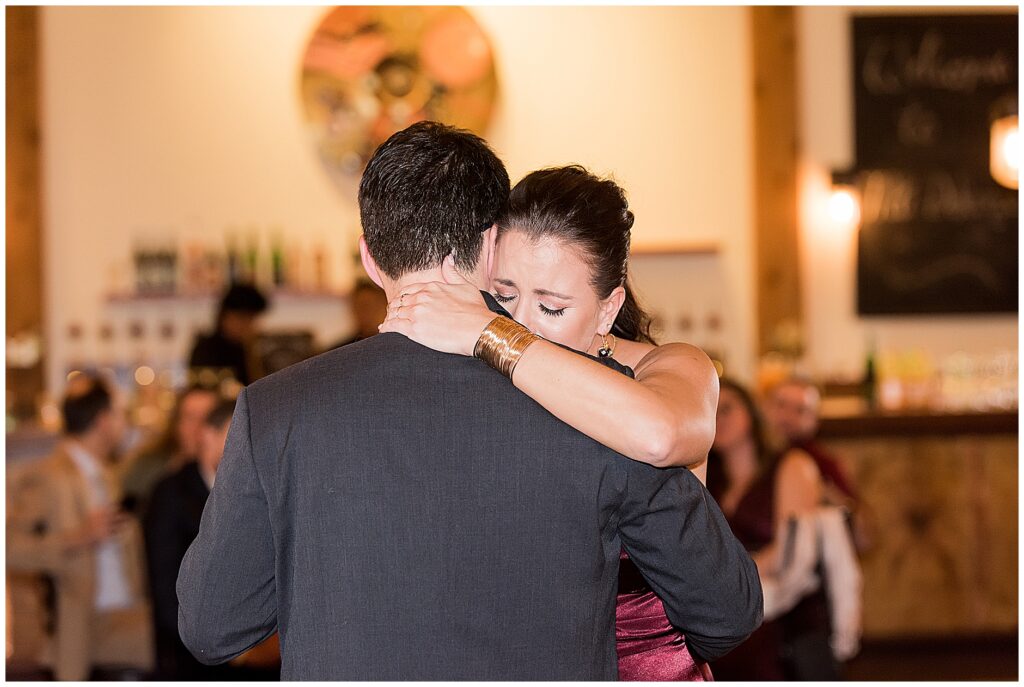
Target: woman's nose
[[529, 320]]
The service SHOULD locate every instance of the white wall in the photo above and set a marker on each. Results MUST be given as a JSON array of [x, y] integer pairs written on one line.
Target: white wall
[[836, 335], [160, 120], [187, 119]]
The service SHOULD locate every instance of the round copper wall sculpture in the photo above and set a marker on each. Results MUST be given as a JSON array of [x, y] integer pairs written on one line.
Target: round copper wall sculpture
[[371, 71]]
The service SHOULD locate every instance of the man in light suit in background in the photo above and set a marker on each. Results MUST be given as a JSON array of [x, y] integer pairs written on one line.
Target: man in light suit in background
[[64, 522]]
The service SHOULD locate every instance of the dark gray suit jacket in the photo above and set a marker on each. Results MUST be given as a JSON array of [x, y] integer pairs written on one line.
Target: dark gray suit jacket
[[398, 513]]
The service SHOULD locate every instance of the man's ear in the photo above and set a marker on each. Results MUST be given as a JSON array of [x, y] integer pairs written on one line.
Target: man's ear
[[610, 307], [490, 241], [369, 264]]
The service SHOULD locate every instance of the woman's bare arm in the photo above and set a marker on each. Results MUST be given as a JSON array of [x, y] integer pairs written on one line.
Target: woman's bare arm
[[665, 417], [798, 490]]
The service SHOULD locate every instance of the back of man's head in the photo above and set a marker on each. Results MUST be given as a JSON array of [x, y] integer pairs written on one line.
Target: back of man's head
[[86, 399], [428, 191]]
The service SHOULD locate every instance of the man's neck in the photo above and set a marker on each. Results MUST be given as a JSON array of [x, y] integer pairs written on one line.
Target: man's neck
[[393, 289]]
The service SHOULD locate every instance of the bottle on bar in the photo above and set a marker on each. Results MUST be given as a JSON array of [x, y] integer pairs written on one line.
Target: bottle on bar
[[870, 375]]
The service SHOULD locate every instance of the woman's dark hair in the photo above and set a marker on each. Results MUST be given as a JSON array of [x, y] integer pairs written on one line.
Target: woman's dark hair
[[428, 191], [589, 213], [717, 481]]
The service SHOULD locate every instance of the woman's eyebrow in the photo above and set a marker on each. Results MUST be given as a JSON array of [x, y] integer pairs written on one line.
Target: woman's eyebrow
[[545, 292], [539, 292]]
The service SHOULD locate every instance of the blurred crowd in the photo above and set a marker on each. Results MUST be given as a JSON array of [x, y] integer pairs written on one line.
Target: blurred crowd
[[95, 538]]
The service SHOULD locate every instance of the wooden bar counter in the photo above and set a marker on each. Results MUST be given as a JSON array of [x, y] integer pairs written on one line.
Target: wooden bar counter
[[941, 496]]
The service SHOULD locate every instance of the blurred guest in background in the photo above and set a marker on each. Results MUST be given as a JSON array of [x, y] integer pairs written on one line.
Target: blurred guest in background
[[172, 522], [178, 446], [230, 346], [757, 489], [369, 308], [793, 411], [65, 523]]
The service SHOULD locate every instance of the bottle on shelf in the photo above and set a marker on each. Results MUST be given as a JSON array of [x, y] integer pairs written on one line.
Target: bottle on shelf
[[167, 260], [193, 268], [140, 259], [277, 260], [320, 267], [234, 259], [252, 255], [869, 384], [293, 268]]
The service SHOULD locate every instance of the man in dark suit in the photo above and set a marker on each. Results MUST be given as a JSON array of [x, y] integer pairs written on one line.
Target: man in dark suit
[[399, 513], [171, 523]]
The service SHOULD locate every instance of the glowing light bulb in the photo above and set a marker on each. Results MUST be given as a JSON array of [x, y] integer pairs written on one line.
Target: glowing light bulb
[[843, 206], [1011, 149], [1004, 152]]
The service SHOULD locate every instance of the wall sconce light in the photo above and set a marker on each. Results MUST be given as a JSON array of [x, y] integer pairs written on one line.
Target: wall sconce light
[[1004, 152], [844, 200], [1004, 142]]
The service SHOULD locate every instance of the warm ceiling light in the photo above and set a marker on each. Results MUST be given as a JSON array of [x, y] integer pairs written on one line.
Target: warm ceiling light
[[1004, 152]]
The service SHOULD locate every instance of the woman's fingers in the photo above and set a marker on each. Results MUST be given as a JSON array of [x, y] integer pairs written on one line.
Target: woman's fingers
[[399, 325]]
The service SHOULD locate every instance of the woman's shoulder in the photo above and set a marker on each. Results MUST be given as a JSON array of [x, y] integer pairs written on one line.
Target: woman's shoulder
[[675, 356]]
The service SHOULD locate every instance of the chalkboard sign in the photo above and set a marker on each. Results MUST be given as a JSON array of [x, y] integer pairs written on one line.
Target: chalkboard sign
[[938, 233]]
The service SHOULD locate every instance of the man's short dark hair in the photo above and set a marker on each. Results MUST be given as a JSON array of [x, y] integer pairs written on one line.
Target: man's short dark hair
[[221, 414], [84, 404], [428, 191]]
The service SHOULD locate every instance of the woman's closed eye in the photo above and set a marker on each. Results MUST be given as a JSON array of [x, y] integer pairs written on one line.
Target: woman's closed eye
[[553, 313], [550, 312], [502, 298]]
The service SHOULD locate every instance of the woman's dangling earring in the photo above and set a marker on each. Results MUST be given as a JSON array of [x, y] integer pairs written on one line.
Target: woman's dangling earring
[[607, 349]]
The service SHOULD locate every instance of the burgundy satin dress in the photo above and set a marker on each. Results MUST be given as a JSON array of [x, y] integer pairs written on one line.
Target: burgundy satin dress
[[649, 648]]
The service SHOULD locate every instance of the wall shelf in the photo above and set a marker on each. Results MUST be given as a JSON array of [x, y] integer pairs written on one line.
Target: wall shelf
[[183, 298]]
